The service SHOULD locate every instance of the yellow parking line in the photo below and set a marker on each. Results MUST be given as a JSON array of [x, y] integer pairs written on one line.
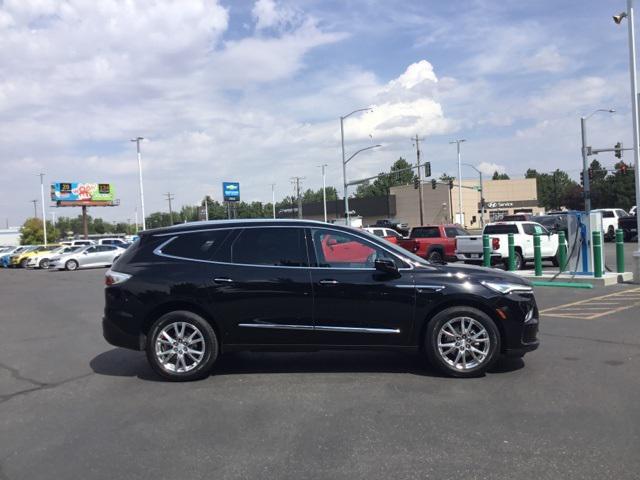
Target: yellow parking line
[[588, 309], [580, 302]]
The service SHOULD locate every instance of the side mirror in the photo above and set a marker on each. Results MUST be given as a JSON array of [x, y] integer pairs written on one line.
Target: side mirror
[[85, 252], [332, 242], [386, 266]]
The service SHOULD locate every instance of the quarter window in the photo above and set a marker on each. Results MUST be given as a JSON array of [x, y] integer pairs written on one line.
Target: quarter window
[[341, 250], [197, 246], [281, 247]]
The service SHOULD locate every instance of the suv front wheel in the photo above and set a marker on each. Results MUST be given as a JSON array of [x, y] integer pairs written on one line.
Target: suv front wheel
[[462, 342], [182, 346]]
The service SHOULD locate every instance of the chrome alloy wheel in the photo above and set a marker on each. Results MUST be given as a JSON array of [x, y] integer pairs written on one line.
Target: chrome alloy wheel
[[463, 343], [180, 347]]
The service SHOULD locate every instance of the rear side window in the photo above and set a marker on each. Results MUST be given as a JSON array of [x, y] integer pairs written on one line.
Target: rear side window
[[197, 246], [500, 229], [281, 247], [455, 231], [425, 232]]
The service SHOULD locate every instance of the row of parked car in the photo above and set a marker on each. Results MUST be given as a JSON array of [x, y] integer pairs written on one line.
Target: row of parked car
[[67, 255], [451, 242]]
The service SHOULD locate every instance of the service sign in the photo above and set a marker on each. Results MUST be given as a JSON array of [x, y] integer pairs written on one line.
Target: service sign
[[82, 192], [231, 191]]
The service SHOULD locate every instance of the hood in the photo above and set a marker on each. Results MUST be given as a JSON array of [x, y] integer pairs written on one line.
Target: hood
[[479, 273]]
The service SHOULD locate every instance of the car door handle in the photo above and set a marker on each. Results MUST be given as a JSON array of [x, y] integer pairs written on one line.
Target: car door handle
[[222, 280], [328, 282]]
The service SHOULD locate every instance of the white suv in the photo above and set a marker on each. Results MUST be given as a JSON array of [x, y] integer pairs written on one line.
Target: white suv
[[610, 218]]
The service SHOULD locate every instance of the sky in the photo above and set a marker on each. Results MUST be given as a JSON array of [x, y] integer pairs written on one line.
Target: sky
[[252, 91]]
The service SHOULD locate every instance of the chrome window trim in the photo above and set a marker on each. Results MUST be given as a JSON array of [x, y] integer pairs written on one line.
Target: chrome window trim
[[323, 328], [437, 288], [158, 249]]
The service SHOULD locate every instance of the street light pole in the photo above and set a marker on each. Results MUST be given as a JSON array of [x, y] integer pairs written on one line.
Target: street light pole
[[481, 193], [458, 142], [324, 190], [634, 112], [586, 186], [344, 163], [44, 214], [273, 199], [141, 190]]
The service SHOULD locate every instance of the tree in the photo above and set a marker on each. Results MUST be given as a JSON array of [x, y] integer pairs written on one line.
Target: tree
[[400, 173], [32, 232], [500, 176], [531, 173], [554, 189], [311, 196]]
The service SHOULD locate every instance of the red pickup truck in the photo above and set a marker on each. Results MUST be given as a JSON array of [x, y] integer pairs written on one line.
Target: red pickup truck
[[436, 243]]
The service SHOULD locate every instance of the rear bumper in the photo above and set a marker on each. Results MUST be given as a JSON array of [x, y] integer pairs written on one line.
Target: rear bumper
[[467, 257], [114, 333]]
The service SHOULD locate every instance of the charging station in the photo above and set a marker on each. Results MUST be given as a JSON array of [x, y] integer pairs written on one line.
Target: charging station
[[580, 228]]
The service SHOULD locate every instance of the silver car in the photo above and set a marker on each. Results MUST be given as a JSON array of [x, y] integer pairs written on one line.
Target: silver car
[[91, 256]]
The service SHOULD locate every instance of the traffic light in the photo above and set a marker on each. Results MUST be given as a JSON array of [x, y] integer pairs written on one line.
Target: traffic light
[[590, 174], [434, 183], [618, 148], [427, 169], [582, 178], [416, 183]]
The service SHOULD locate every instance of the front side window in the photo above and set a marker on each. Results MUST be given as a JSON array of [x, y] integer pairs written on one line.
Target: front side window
[[280, 247], [335, 249]]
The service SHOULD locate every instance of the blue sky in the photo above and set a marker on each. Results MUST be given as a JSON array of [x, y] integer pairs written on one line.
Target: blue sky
[[251, 91]]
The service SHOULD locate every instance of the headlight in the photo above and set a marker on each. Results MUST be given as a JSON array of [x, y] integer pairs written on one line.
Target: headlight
[[505, 288]]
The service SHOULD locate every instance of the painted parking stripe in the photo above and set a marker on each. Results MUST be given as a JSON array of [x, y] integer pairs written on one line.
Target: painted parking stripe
[[596, 307]]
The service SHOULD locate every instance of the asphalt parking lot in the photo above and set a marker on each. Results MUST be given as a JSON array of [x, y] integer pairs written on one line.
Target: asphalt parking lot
[[72, 406]]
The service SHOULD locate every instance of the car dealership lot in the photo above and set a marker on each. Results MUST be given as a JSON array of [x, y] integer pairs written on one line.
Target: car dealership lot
[[72, 406]]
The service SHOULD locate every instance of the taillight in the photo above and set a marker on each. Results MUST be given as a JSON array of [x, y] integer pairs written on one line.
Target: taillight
[[495, 243], [114, 278]]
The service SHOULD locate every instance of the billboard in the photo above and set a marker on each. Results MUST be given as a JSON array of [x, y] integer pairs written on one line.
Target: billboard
[[231, 191], [82, 192]]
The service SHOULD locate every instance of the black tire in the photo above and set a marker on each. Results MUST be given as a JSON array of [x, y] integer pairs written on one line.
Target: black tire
[[435, 256], [437, 359], [555, 261], [520, 263], [23, 262], [71, 265], [210, 339], [44, 263]]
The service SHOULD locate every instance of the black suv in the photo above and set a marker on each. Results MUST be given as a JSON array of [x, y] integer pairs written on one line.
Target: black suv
[[187, 293]]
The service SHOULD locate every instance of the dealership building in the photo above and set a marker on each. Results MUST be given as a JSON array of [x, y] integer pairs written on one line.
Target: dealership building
[[440, 204]]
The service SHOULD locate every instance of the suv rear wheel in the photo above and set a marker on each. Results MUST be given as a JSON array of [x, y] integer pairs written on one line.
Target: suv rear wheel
[[182, 346], [462, 342]]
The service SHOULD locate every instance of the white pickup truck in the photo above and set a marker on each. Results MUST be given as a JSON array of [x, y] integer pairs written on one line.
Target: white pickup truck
[[469, 247]]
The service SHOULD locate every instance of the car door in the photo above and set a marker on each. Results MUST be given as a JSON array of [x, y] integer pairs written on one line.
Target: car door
[[88, 256], [355, 304], [261, 287]]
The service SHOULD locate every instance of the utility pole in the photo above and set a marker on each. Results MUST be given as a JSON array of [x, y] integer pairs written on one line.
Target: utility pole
[[206, 209], [44, 214], [53, 219], [273, 199], [35, 208], [136, 215], [141, 190], [324, 190], [169, 198], [420, 195], [296, 182]]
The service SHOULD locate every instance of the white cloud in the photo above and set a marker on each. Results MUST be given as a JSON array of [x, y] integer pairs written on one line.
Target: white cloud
[[269, 14], [488, 168]]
